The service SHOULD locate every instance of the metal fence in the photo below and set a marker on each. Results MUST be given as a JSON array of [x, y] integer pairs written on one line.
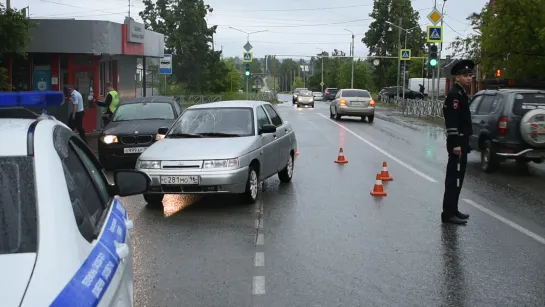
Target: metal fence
[[416, 107]]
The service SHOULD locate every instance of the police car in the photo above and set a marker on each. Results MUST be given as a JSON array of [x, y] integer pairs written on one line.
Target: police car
[[64, 231]]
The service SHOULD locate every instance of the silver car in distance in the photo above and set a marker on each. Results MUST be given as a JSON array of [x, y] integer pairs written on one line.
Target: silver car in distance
[[221, 147]]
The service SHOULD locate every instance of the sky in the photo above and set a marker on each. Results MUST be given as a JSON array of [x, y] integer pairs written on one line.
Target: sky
[[291, 27]]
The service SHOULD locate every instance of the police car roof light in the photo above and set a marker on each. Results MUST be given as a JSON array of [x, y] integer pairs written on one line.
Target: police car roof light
[[31, 99]]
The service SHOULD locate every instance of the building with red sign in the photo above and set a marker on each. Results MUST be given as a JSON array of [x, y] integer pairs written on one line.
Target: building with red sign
[[86, 54]]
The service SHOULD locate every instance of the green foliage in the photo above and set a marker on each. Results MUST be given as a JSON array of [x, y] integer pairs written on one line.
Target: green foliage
[[415, 67], [234, 76], [187, 35], [298, 82], [382, 38], [14, 37], [469, 47]]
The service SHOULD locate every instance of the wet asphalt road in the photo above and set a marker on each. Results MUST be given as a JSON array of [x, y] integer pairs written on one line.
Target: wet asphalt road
[[324, 241]]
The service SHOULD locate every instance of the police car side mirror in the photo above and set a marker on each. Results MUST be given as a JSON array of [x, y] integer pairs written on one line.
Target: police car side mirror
[[129, 182], [162, 130]]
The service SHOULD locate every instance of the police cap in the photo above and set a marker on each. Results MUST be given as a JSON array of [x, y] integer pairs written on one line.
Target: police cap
[[463, 67]]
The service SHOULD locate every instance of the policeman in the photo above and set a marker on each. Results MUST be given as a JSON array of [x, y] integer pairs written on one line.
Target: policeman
[[458, 125], [110, 104]]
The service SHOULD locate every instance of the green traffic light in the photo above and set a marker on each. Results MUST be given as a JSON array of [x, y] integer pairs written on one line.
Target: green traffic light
[[247, 73], [433, 62]]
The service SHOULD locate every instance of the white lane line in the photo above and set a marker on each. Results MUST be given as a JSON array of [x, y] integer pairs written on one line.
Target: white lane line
[[256, 223], [507, 222], [258, 285], [259, 259], [261, 223], [384, 152], [260, 239]]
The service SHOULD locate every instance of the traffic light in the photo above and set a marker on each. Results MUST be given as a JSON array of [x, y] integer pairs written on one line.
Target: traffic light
[[498, 73], [433, 55], [247, 68]]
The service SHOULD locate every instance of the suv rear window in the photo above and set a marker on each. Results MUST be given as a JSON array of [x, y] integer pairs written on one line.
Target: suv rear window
[[525, 102], [353, 93], [18, 218]]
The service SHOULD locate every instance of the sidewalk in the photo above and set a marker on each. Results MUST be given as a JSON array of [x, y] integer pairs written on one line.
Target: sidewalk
[[412, 122]]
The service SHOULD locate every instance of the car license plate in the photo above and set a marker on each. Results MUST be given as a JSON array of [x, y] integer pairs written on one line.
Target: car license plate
[[355, 103], [134, 150], [180, 180]]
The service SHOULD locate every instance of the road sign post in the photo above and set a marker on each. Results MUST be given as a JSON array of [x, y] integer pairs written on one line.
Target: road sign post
[[405, 54], [247, 57], [165, 68]]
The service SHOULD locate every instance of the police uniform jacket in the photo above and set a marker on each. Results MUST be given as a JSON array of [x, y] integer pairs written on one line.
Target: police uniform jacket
[[457, 116]]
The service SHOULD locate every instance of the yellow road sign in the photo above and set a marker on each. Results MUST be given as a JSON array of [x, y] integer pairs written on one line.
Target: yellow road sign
[[405, 54], [247, 57], [434, 34], [435, 16]]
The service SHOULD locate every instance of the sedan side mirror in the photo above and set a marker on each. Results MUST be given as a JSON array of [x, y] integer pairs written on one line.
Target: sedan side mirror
[[267, 128], [129, 182], [162, 130]]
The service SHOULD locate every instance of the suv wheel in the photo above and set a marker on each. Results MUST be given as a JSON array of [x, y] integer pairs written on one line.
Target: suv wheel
[[489, 160]]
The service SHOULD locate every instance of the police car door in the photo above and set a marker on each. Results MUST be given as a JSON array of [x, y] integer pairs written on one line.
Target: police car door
[[106, 277]]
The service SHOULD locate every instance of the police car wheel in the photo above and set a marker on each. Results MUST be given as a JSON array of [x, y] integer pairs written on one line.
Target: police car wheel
[[154, 199]]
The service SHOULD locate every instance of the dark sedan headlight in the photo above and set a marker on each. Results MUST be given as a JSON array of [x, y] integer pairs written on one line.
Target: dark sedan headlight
[[109, 139]]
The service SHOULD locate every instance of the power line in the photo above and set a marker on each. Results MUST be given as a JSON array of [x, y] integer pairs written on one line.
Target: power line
[[341, 23], [300, 9], [79, 7], [74, 16], [285, 43], [87, 11]]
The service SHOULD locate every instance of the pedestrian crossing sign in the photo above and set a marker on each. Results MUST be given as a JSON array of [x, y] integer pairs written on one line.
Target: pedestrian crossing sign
[[405, 54], [435, 34], [247, 57]]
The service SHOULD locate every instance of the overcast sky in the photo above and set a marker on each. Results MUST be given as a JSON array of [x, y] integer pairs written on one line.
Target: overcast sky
[[294, 27]]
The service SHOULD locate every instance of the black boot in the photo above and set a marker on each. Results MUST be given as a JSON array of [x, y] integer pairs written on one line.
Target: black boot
[[462, 216], [453, 219]]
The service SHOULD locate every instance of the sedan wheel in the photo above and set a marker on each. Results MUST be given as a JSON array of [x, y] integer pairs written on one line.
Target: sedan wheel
[[331, 114], [286, 174], [252, 187]]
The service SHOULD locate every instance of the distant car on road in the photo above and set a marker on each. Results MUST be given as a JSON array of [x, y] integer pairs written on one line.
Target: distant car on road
[[390, 93], [305, 98], [353, 102], [296, 93], [134, 128], [225, 147], [65, 234], [330, 93], [318, 96], [508, 124]]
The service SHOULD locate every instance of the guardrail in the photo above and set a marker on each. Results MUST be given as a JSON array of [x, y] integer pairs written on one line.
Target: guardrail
[[416, 107]]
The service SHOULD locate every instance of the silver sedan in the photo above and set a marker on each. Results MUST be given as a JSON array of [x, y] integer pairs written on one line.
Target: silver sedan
[[353, 102], [222, 147]]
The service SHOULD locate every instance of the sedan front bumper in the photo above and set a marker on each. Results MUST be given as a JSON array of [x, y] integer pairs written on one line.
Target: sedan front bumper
[[210, 181]]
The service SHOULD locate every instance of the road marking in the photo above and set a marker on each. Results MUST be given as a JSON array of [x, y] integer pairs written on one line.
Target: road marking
[[259, 259], [261, 223], [384, 152], [507, 222], [258, 285], [256, 223], [260, 239]]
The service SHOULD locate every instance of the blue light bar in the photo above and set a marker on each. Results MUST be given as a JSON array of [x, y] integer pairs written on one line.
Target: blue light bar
[[31, 99]]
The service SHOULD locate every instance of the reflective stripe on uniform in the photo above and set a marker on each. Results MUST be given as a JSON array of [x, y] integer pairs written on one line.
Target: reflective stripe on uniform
[[88, 285], [452, 131]]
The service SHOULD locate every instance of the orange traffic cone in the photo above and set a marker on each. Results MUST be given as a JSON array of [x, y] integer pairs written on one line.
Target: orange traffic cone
[[384, 175], [378, 189], [340, 158]]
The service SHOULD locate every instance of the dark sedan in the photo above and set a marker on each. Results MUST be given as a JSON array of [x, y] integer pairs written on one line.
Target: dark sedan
[[134, 128]]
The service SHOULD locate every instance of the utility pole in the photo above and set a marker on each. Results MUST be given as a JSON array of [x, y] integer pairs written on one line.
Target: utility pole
[[439, 56], [398, 56], [274, 74], [322, 72], [352, 55], [404, 73]]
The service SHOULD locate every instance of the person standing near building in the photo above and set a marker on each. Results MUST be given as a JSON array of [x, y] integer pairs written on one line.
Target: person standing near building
[[75, 119], [458, 126], [109, 104]]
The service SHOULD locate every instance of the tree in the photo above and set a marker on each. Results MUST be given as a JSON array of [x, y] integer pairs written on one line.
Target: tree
[[188, 36], [382, 38], [298, 82], [14, 38], [469, 47], [234, 76]]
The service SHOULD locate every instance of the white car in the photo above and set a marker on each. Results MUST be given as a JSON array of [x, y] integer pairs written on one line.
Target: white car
[[64, 233]]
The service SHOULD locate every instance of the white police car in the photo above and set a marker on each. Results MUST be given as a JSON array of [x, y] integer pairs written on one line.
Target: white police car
[[64, 234]]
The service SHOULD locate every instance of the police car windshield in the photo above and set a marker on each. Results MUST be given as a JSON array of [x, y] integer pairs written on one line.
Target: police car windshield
[[18, 218], [143, 111], [215, 122]]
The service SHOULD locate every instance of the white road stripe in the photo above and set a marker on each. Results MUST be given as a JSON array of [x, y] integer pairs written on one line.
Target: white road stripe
[[384, 152], [256, 223], [260, 239], [259, 259], [258, 285], [507, 222]]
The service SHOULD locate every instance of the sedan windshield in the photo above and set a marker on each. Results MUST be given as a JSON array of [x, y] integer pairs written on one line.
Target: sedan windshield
[[305, 93], [143, 110], [214, 122]]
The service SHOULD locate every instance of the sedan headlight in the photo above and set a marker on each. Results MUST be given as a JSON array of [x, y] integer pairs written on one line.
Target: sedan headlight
[[143, 164], [227, 163], [109, 139]]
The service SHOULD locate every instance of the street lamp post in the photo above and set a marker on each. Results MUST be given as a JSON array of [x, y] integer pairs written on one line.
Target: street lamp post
[[352, 53], [322, 56], [247, 40]]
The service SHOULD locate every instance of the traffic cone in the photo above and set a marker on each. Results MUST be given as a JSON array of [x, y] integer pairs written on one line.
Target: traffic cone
[[384, 175], [378, 189], [340, 158]]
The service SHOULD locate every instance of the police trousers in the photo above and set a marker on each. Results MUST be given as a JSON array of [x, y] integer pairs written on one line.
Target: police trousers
[[456, 170]]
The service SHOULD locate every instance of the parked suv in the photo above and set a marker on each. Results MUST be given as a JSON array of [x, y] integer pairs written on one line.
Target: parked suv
[[330, 93], [391, 91], [508, 124]]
